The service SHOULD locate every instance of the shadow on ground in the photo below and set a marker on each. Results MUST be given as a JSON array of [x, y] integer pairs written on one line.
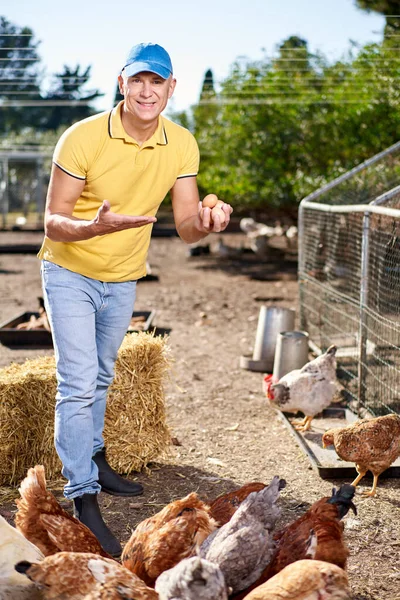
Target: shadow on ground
[[252, 267]]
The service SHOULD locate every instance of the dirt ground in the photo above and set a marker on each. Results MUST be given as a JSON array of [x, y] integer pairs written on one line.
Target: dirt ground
[[228, 434]]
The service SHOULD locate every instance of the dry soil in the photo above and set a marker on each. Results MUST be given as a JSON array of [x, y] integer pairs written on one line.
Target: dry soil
[[227, 433]]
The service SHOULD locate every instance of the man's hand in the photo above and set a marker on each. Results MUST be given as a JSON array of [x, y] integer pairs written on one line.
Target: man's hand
[[193, 220], [62, 226], [107, 222], [67, 228], [211, 220]]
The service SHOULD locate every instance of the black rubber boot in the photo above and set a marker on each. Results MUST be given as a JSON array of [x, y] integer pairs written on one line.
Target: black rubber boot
[[111, 482], [87, 510]]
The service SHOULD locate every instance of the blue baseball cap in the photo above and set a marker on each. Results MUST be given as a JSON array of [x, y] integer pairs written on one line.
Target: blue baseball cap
[[148, 57]]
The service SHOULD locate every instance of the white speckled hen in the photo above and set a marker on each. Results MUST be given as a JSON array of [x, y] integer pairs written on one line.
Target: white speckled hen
[[192, 579], [309, 389]]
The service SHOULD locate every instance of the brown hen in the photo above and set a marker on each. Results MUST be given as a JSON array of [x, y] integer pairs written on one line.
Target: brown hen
[[160, 542], [121, 591], [372, 444], [296, 541], [225, 506], [62, 576], [324, 518], [117, 583], [304, 580], [42, 520]]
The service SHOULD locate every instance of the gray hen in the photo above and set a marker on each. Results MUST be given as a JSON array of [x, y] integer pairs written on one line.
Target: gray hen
[[192, 579], [243, 547]]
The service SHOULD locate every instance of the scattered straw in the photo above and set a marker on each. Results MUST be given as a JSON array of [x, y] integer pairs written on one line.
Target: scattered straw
[[135, 428]]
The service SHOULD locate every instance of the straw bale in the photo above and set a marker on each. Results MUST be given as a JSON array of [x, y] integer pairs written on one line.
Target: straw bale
[[27, 396], [135, 426], [135, 430]]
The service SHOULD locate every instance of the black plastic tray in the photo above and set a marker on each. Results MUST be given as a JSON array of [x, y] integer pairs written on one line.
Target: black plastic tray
[[144, 325], [40, 338], [325, 460]]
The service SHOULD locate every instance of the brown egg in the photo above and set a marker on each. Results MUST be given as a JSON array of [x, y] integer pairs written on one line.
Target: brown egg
[[217, 211], [210, 200]]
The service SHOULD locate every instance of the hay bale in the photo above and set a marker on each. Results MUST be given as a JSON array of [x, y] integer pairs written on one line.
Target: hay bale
[[135, 429], [135, 426], [27, 398]]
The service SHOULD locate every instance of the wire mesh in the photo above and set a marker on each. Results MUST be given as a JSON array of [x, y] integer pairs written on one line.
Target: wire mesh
[[22, 187], [364, 183], [349, 274]]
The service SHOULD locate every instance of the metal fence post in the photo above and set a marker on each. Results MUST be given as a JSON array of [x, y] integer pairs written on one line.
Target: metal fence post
[[39, 191], [300, 267], [363, 329], [4, 191]]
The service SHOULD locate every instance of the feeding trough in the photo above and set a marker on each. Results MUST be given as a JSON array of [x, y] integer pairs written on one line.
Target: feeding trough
[[325, 461]]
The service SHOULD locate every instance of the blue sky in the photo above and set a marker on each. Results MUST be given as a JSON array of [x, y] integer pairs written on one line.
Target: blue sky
[[198, 35]]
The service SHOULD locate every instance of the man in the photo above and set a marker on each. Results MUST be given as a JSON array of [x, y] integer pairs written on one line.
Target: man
[[109, 176]]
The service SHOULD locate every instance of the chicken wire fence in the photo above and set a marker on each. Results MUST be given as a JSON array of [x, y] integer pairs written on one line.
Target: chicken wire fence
[[23, 183], [349, 277]]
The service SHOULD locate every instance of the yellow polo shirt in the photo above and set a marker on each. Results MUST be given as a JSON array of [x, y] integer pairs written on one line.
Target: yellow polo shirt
[[134, 179]]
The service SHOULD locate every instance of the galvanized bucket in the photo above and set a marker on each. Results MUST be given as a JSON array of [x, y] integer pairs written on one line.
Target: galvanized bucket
[[271, 321], [291, 352]]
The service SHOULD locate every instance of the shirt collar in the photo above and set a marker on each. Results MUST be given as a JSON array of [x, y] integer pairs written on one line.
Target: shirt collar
[[116, 129]]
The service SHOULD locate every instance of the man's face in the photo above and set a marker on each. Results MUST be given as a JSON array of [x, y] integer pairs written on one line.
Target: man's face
[[146, 94]]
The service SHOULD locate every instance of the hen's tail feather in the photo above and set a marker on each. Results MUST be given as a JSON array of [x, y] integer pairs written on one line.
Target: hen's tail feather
[[262, 504], [23, 566], [343, 498], [34, 482]]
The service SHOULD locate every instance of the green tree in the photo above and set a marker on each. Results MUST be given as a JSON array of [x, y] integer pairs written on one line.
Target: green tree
[[206, 111], [19, 74], [293, 55], [252, 149], [207, 89], [68, 87], [390, 9], [282, 130], [117, 96], [23, 105]]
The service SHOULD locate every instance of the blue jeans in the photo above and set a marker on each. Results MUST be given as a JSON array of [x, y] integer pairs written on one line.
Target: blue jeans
[[89, 320]]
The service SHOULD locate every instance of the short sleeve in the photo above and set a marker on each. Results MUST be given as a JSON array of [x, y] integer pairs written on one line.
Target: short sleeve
[[190, 158], [72, 151]]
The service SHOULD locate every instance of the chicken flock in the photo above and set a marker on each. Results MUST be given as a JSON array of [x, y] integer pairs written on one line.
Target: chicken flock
[[190, 550], [198, 549]]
